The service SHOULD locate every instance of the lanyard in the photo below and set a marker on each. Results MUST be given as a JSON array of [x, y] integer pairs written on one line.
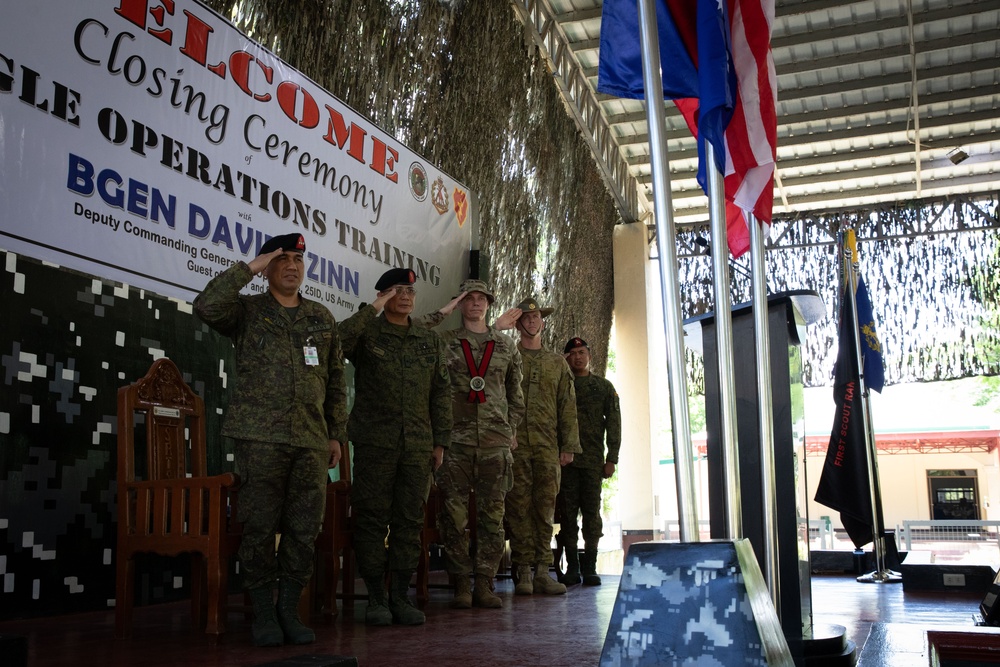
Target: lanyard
[[477, 383]]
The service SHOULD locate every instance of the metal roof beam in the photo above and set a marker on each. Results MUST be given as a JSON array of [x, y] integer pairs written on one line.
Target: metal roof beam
[[972, 185], [886, 20], [581, 103], [684, 144]]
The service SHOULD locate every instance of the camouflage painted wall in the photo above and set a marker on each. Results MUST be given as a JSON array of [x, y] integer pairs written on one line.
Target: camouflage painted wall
[[67, 342]]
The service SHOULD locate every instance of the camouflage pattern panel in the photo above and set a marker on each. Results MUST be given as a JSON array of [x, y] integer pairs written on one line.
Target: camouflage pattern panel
[[490, 474], [387, 498], [599, 415], [279, 486], [493, 423], [531, 507], [403, 391], [581, 494], [277, 396], [550, 422], [693, 604]]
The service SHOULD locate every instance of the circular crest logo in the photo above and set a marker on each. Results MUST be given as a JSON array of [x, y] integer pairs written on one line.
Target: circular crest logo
[[418, 181]]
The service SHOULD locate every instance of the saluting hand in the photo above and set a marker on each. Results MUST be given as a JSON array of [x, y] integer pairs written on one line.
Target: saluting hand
[[448, 308], [383, 298], [508, 320], [260, 262]]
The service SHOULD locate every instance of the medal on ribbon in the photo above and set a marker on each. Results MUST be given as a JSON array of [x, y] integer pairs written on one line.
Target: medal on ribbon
[[478, 383]]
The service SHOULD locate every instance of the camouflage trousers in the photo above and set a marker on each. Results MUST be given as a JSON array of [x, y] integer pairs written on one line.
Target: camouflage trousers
[[388, 494], [581, 492], [488, 473], [531, 506], [282, 490]]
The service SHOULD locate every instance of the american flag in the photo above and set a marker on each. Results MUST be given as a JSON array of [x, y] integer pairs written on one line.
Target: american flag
[[750, 133]]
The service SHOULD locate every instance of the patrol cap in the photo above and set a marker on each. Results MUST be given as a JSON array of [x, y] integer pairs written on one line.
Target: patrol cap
[[395, 277], [286, 242], [574, 343], [529, 305], [476, 285]]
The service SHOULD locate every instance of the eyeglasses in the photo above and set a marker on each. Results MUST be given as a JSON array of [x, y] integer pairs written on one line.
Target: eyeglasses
[[405, 290]]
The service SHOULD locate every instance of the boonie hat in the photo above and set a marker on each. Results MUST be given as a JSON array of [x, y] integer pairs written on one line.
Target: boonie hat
[[476, 285]]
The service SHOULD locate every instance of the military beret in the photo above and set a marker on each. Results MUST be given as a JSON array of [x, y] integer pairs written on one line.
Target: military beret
[[529, 305], [574, 343], [476, 285], [286, 242], [395, 277]]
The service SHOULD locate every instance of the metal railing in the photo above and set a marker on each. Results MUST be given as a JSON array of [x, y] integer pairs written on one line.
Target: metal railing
[[923, 535], [672, 530], [947, 540]]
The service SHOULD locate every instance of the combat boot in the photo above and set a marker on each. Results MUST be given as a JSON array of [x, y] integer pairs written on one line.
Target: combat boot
[[403, 611], [588, 564], [483, 596], [572, 575], [266, 631], [289, 593], [463, 593], [545, 584], [524, 586], [377, 612]]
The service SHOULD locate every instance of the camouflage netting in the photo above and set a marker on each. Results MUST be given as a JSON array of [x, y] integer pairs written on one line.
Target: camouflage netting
[[457, 83], [930, 272]]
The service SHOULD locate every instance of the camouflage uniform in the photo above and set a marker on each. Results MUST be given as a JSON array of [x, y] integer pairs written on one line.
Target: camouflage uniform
[[282, 413], [598, 414], [479, 457], [402, 411], [550, 428]]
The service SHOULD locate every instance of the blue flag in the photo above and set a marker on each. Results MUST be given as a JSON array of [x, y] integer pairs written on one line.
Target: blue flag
[[871, 348], [619, 71], [716, 81], [695, 62]]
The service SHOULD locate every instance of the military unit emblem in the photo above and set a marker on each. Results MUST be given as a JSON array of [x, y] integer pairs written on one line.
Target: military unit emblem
[[418, 181], [439, 196], [461, 205]]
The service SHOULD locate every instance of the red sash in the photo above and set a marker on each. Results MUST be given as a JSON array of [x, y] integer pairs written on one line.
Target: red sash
[[478, 382]]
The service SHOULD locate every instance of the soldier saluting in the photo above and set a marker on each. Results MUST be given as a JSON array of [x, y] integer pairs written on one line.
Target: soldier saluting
[[288, 415], [487, 405], [400, 427]]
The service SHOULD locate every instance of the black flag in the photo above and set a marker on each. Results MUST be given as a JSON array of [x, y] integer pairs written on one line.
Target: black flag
[[843, 485]]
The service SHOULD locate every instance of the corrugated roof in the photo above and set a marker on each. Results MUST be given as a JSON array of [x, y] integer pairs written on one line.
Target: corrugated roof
[[846, 119]]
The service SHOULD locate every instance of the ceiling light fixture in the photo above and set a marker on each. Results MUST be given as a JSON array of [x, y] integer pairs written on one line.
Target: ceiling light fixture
[[957, 156]]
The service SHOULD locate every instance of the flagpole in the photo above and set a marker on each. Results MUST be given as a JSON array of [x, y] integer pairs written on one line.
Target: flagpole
[[881, 574], [762, 337], [666, 249], [724, 345]]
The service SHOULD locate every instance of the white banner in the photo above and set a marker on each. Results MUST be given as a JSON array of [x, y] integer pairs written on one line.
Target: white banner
[[150, 142]]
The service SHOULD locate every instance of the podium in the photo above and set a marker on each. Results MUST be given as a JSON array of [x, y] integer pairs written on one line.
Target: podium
[[788, 313]]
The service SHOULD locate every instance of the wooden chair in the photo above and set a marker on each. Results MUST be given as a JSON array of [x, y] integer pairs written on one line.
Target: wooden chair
[[171, 506], [335, 542], [428, 535], [431, 534]]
